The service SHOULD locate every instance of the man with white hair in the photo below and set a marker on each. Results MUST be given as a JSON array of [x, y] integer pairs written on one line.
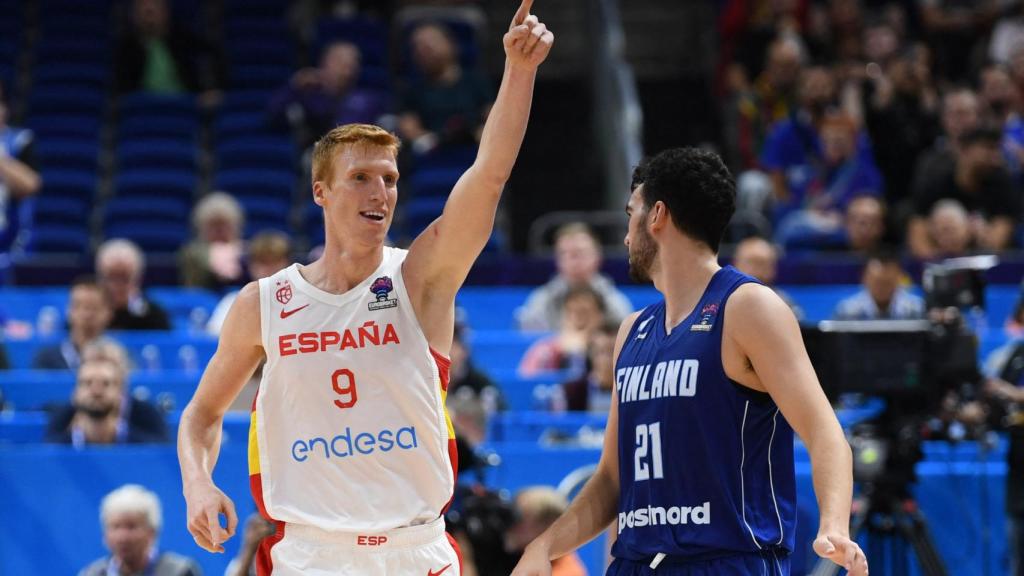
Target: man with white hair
[[131, 520], [119, 268]]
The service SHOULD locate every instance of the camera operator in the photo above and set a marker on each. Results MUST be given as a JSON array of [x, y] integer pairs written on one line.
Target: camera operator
[[1005, 385]]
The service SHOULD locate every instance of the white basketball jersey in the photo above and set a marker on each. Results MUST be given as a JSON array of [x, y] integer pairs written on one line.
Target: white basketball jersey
[[349, 430]]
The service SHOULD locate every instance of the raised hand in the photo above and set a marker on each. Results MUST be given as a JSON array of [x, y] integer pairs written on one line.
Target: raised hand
[[528, 40]]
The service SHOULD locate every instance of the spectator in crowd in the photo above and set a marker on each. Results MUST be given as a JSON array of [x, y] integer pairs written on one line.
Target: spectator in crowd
[[883, 296], [578, 262], [1007, 36], [132, 519], [157, 55], [88, 317], [757, 257], [978, 181], [120, 266], [864, 224], [244, 563], [318, 99], [901, 116], [472, 396], [1014, 326], [18, 181], [951, 28], [794, 149], [583, 312], [1001, 102], [771, 99], [444, 104], [813, 213], [537, 508], [101, 411], [592, 392], [213, 259], [961, 112], [1005, 385], [949, 229], [268, 252]]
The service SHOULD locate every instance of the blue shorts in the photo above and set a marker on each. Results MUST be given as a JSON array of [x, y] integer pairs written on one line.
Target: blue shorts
[[766, 563]]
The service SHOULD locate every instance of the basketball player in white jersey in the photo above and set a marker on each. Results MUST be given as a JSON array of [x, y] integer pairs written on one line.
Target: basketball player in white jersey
[[351, 452]]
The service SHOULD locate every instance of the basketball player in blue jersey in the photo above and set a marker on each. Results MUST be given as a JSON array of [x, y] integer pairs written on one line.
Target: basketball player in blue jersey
[[697, 470]]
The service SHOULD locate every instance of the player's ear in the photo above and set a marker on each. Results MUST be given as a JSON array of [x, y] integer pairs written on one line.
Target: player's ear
[[658, 216], [318, 192]]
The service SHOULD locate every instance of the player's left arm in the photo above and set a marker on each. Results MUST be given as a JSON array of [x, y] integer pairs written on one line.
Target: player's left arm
[[440, 258], [766, 333]]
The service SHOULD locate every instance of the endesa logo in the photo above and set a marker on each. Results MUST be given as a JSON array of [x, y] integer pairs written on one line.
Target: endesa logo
[[355, 444]]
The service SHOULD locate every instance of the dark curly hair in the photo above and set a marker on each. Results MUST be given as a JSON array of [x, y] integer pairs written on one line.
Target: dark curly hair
[[697, 188]]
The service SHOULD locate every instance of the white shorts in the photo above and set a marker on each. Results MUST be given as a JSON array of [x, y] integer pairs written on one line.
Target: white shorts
[[424, 550]]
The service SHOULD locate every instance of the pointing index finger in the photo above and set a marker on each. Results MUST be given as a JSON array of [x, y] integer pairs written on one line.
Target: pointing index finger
[[522, 12]]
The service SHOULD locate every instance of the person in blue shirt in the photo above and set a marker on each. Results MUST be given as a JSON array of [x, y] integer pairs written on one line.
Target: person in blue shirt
[[711, 382], [19, 181]]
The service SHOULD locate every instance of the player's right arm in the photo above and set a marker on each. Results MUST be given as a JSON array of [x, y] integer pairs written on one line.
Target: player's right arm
[[595, 506], [239, 352]]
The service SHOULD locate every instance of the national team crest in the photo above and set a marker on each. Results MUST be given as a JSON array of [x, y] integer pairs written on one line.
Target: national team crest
[[284, 292], [707, 318], [382, 288]]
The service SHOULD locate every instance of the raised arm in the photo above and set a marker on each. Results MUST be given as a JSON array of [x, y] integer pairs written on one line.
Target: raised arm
[[440, 258], [594, 508], [783, 368], [238, 354]]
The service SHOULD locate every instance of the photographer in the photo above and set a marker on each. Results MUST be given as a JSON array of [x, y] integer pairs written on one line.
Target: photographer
[[1005, 385]]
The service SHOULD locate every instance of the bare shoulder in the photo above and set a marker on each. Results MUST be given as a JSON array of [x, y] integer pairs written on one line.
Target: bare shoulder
[[756, 309], [242, 325], [624, 328]]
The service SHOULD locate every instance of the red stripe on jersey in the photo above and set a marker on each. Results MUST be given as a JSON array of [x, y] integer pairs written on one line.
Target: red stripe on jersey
[[443, 366], [458, 551], [264, 563]]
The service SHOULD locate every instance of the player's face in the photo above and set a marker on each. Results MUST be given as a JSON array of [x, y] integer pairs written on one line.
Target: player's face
[[129, 537], [360, 199], [641, 245]]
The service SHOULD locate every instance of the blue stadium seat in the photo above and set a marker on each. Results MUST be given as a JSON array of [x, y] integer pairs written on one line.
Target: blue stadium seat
[[174, 155], [37, 389], [435, 182], [259, 77], [261, 50], [151, 236], [251, 101], [67, 237], [417, 213], [256, 153], [72, 76], [69, 183], [268, 183], [165, 105], [149, 183], [141, 209], [239, 126], [62, 210], [61, 125], [53, 101], [73, 45], [263, 214], [67, 153], [156, 126]]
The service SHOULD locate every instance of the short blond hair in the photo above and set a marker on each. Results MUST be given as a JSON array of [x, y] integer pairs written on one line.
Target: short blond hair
[[270, 246], [347, 135]]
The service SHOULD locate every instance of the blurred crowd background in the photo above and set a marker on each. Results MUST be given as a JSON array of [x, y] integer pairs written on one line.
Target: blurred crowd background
[[154, 157]]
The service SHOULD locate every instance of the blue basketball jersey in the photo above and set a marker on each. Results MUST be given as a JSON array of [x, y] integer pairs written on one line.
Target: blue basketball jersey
[[705, 464]]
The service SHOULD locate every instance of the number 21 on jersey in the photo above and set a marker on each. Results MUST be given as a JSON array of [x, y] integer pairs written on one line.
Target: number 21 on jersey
[[647, 457]]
